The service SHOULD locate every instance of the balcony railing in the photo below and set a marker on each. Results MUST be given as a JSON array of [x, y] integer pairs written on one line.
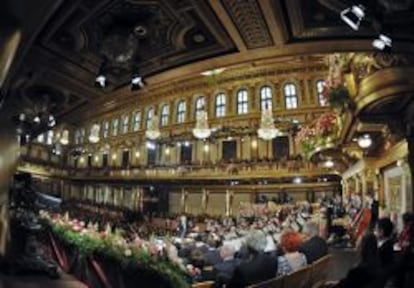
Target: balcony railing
[[231, 169]]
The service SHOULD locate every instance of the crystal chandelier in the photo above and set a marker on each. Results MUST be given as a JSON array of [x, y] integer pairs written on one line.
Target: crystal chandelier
[[201, 130], [267, 129], [94, 135], [153, 132]]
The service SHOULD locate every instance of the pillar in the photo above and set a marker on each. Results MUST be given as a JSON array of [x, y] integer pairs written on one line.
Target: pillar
[[410, 159]]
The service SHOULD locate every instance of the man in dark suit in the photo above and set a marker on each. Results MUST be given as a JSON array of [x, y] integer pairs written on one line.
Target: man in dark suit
[[259, 268], [212, 254], [385, 228], [314, 247], [223, 271]]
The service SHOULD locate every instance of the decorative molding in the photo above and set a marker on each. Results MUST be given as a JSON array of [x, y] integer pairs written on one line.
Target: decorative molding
[[249, 20]]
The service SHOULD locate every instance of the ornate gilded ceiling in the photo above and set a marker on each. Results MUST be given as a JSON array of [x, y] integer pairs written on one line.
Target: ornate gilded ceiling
[[168, 40]]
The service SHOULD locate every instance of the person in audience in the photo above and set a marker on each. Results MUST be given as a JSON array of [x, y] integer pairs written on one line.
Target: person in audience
[[407, 233], [270, 244], [223, 271], [259, 268], [292, 260], [212, 255], [365, 274], [198, 262], [385, 229], [404, 276], [182, 226], [314, 246]]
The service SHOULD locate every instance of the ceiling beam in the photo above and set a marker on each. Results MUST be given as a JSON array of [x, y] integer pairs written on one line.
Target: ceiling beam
[[274, 19], [228, 24]]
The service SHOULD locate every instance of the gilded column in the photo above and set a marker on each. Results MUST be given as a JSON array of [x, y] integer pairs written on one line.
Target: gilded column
[[306, 96]]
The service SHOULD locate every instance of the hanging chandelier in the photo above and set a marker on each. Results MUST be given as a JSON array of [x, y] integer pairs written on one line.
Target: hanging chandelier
[[94, 135], [153, 131], [201, 130], [267, 129]]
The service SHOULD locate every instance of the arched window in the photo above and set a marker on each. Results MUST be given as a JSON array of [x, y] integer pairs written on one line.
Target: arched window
[[150, 114], [125, 124], [136, 125], [115, 124], [220, 105], [165, 113], [291, 96], [49, 137], [242, 102], [319, 90], [82, 135], [266, 98], [77, 137], [105, 130], [200, 105], [181, 112]]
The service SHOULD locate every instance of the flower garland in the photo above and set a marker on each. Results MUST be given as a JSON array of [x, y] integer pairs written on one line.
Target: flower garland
[[140, 253], [320, 133], [334, 92]]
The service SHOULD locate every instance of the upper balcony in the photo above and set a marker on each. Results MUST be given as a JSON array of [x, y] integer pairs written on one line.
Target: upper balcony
[[285, 171]]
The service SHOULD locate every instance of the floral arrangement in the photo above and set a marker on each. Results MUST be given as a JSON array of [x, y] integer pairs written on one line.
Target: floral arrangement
[[147, 254], [335, 92], [306, 139], [320, 133]]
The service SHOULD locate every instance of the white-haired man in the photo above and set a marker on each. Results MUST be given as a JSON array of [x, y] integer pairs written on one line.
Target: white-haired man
[[314, 246], [223, 271], [259, 268]]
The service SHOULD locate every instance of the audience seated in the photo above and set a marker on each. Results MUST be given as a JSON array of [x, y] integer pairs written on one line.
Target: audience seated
[[259, 268], [292, 260], [314, 246]]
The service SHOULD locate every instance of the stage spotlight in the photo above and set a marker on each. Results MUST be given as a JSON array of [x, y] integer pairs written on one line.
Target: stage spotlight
[[382, 43], [137, 82], [353, 16]]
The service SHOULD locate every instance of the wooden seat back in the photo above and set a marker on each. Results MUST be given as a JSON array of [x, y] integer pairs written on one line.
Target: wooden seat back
[[320, 269], [276, 282], [298, 279], [205, 284]]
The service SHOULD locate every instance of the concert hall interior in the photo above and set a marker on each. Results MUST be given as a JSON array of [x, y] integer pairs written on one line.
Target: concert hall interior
[[206, 143]]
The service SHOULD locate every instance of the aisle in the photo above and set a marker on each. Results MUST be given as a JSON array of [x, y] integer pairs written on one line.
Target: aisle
[[342, 261], [32, 281]]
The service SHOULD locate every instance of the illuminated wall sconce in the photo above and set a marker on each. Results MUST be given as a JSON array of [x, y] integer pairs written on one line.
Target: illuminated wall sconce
[[364, 141], [81, 160], [167, 151], [297, 180], [96, 158], [329, 164], [137, 154], [206, 147], [114, 156]]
